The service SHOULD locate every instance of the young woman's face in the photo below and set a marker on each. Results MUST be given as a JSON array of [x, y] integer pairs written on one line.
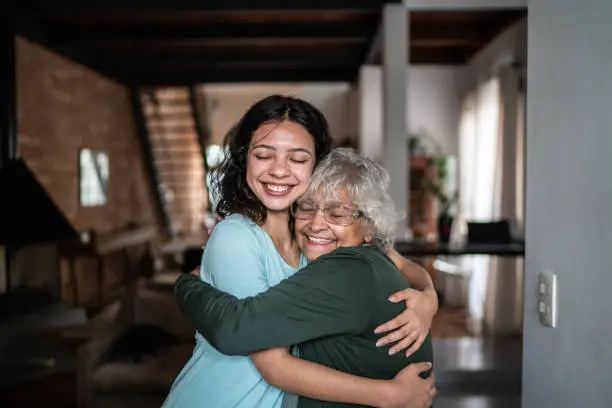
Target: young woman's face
[[279, 163]]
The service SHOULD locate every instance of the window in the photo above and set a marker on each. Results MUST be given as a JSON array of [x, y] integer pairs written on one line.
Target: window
[[479, 135], [93, 183]]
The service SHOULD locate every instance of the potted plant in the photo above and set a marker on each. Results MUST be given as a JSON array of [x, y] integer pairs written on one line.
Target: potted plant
[[446, 199]]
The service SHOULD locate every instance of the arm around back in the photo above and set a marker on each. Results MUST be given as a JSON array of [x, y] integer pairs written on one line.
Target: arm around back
[[329, 296], [232, 262]]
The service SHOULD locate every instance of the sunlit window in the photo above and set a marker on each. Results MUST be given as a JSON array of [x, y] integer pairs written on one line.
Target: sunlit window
[[93, 177]]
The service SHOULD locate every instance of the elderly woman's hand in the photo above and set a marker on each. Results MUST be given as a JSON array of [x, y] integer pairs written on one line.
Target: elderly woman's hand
[[409, 390], [412, 326]]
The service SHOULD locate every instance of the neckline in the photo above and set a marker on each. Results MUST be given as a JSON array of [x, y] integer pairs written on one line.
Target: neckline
[[282, 258], [302, 261]]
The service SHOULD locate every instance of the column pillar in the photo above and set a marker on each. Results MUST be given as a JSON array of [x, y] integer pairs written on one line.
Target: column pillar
[[395, 158]]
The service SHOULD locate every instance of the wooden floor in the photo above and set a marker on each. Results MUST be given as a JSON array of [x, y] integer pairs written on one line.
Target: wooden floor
[[60, 390], [55, 391], [451, 322]]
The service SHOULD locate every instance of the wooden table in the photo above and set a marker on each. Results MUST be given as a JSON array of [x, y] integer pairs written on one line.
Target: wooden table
[[424, 249]]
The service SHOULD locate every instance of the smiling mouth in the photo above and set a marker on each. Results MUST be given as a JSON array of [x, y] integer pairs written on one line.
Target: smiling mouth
[[277, 189], [319, 241]]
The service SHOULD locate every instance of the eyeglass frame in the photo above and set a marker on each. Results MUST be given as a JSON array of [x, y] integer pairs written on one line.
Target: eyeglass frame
[[355, 215]]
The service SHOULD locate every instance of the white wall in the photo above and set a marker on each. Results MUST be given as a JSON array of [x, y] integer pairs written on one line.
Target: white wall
[[433, 107], [569, 203], [435, 93], [228, 102], [332, 99]]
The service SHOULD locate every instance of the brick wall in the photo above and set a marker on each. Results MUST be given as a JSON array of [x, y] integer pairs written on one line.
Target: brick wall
[[63, 107]]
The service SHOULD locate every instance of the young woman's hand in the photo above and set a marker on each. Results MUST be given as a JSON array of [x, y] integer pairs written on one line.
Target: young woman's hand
[[411, 327], [196, 271], [409, 390]]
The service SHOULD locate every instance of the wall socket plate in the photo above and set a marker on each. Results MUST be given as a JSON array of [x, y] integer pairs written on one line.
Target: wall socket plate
[[547, 298]]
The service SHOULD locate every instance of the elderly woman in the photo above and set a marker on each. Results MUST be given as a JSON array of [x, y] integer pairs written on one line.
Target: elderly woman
[[344, 225]]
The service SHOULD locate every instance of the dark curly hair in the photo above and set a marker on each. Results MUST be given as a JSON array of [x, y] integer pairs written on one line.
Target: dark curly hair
[[232, 193]]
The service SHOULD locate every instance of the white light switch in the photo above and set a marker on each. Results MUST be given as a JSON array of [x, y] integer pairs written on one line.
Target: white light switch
[[547, 298]]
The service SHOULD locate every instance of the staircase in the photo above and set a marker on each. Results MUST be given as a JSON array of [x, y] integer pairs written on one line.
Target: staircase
[[175, 140]]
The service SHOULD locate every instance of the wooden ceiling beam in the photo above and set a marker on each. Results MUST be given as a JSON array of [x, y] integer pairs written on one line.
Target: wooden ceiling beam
[[273, 56], [439, 56], [259, 43], [242, 76], [187, 67], [34, 7], [144, 19], [215, 33]]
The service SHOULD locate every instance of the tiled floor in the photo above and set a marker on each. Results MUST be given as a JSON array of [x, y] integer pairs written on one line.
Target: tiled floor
[[475, 372], [477, 353], [478, 401]]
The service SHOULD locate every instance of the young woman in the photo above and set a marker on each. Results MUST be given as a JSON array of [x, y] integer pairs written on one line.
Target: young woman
[[344, 225], [272, 152]]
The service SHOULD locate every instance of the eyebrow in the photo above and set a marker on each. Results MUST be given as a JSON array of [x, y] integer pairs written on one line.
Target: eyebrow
[[295, 149]]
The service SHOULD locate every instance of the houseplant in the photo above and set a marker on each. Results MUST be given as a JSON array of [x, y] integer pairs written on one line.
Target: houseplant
[[446, 196]]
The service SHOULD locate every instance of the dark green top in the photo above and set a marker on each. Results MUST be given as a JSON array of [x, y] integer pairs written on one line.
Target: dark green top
[[330, 308]]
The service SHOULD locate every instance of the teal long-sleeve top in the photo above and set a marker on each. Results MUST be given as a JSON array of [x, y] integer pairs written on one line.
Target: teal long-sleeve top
[[330, 308]]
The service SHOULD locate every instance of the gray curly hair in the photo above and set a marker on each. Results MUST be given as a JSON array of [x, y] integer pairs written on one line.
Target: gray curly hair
[[367, 185]]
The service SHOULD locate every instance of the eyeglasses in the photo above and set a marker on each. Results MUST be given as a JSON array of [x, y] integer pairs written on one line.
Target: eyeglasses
[[334, 214]]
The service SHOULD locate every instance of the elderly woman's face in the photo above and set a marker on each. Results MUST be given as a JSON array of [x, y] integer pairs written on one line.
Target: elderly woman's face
[[321, 225]]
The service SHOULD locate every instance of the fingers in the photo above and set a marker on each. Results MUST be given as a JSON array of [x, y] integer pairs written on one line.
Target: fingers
[[397, 335], [402, 295], [196, 271], [400, 320], [392, 324], [418, 368], [431, 391], [432, 394], [416, 345], [404, 343]]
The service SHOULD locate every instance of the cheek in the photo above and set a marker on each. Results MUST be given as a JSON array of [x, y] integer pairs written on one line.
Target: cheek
[[252, 172], [303, 174], [351, 236], [253, 169], [300, 224]]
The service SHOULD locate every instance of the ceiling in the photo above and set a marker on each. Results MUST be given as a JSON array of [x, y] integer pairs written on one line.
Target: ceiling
[[183, 42]]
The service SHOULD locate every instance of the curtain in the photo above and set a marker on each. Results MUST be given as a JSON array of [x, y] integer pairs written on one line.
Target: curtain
[[479, 174], [491, 170]]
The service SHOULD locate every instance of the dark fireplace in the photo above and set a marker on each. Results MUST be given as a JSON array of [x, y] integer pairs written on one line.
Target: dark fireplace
[[32, 229], [34, 280]]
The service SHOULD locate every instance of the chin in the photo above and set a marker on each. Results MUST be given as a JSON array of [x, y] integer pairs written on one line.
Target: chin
[[314, 254], [273, 205]]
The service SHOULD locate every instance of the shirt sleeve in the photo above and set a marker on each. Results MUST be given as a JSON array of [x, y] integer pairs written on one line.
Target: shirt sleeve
[[232, 260], [330, 296]]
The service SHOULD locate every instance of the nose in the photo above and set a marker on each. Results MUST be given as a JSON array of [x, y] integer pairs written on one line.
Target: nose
[[279, 168], [318, 222]]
